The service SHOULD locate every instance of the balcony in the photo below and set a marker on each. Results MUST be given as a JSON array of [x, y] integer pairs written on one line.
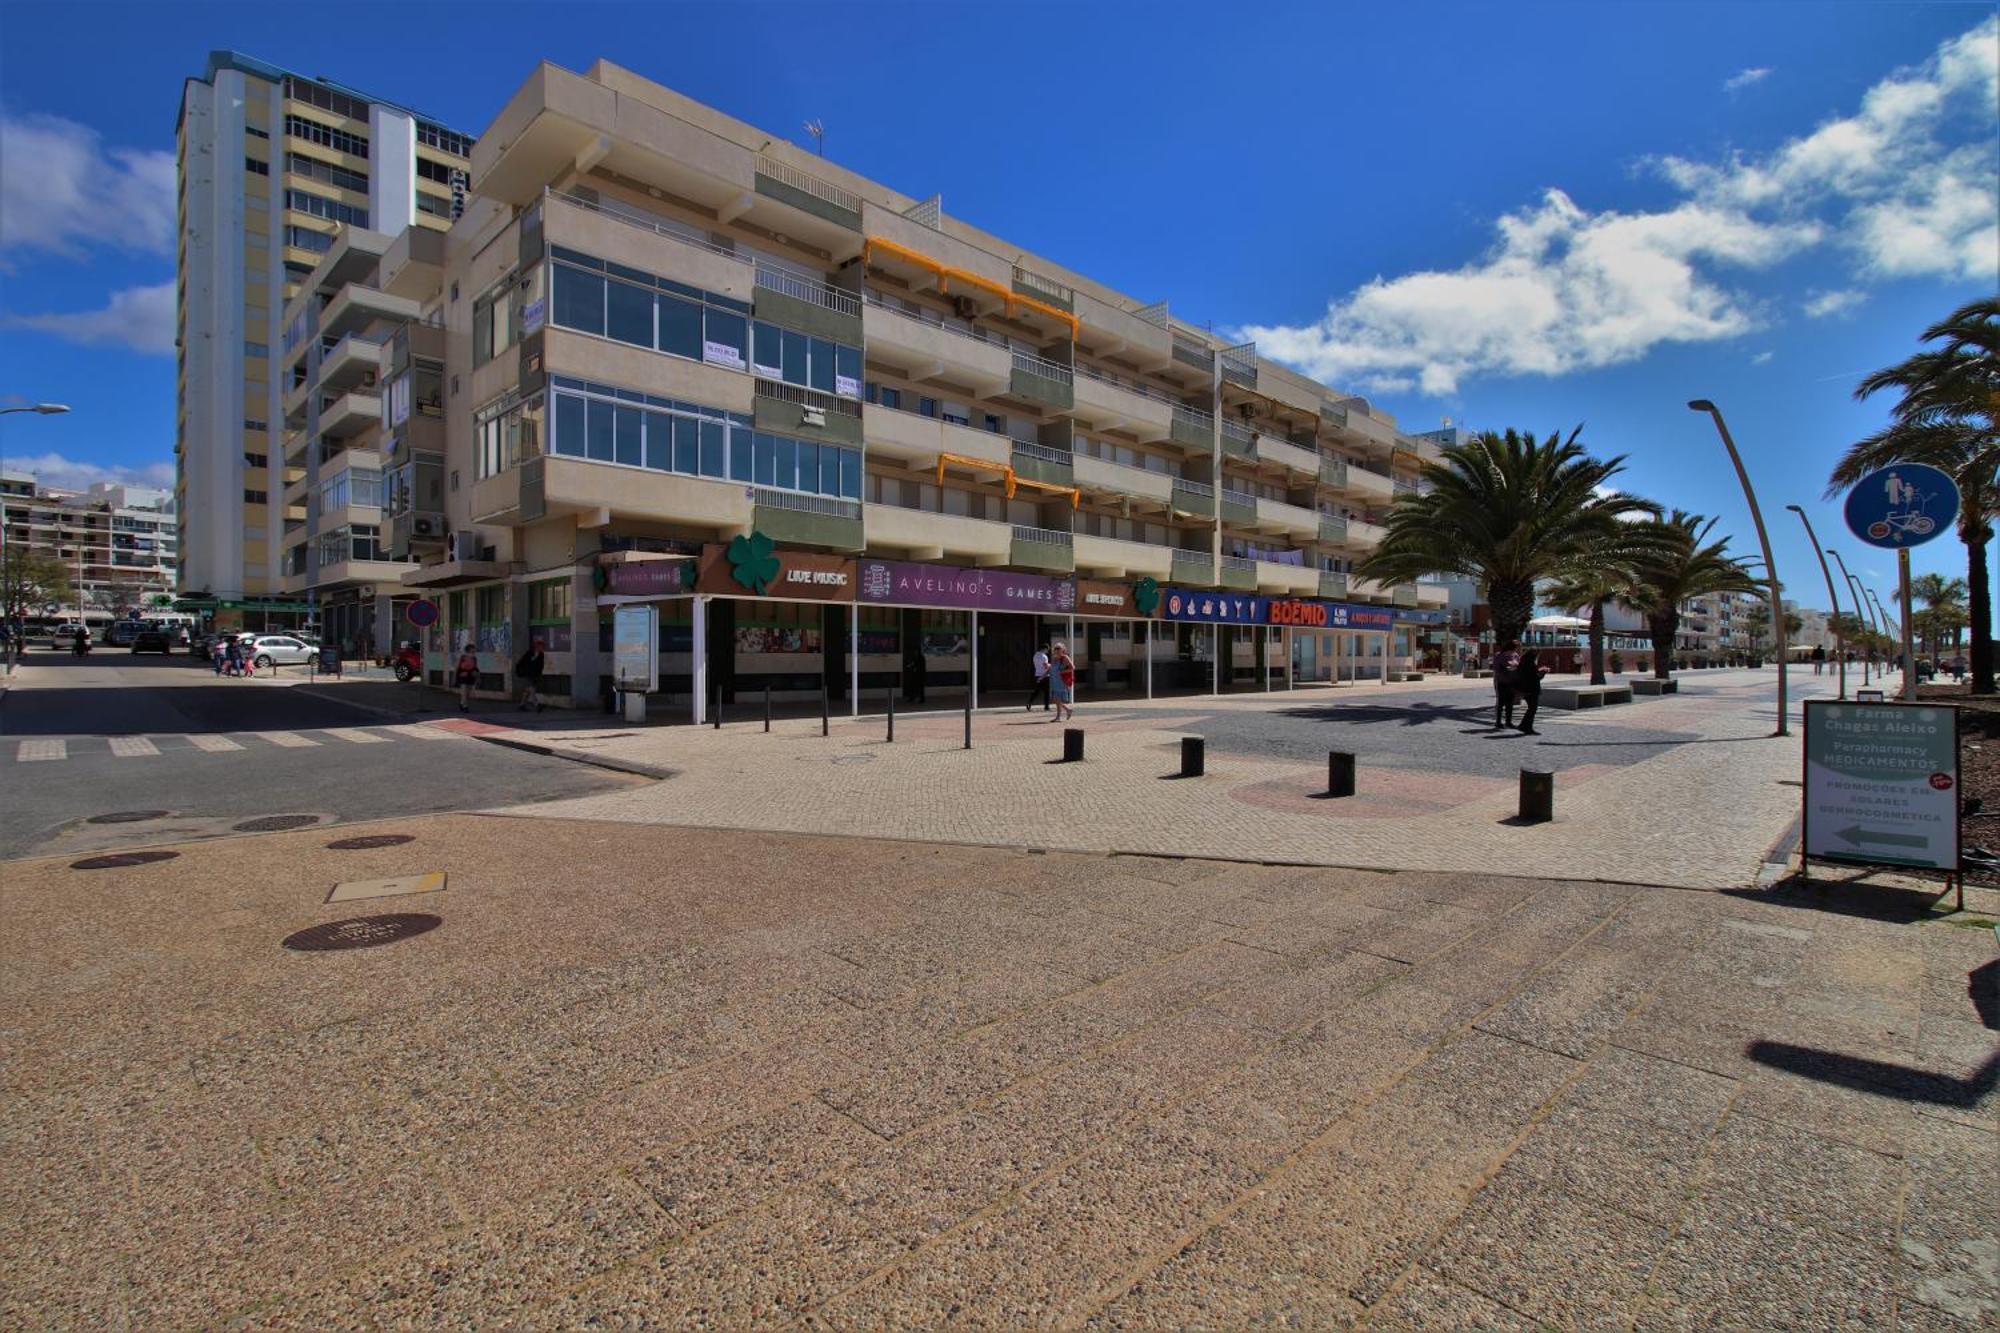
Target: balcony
[[1194, 498], [350, 414], [1364, 534], [1239, 365], [1291, 519], [385, 574], [928, 349], [1116, 558], [1139, 338], [806, 413], [1239, 573], [350, 362], [1403, 594], [612, 228], [1332, 530], [1052, 467], [1369, 590], [1291, 457], [1047, 549], [1193, 429], [1371, 487], [1238, 441], [810, 520], [1095, 474], [807, 193], [811, 307], [1332, 472], [916, 441], [1106, 404], [1276, 576], [1239, 509], [1332, 583], [924, 535], [1193, 567], [1039, 380], [355, 307], [1433, 594]]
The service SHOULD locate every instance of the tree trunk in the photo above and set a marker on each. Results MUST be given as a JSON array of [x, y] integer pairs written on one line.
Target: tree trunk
[[1661, 630], [1597, 643], [1979, 604], [1512, 602]]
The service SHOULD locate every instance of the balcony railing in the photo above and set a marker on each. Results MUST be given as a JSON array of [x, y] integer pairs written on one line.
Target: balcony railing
[[1200, 488], [1030, 364], [1130, 386], [1043, 452], [1191, 353], [1242, 564], [1047, 289], [807, 290], [644, 221], [825, 191], [1194, 419], [931, 319], [804, 397], [1046, 536], [831, 505]]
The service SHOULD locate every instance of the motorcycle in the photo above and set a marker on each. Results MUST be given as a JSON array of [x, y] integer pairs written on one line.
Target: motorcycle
[[80, 645], [409, 663]]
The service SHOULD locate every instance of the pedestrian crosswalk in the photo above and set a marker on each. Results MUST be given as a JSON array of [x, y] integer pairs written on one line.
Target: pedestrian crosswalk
[[241, 742]]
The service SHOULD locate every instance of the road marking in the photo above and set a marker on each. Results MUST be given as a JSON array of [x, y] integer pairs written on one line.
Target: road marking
[[290, 740], [422, 731], [357, 735], [31, 750], [132, 747], [214, 744]]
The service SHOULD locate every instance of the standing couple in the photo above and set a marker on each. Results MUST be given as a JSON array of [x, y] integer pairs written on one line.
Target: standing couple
[[1517, 676], [1055, 678]]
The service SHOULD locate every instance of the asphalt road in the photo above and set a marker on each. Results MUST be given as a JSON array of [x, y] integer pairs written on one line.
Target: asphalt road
[[149, 733]]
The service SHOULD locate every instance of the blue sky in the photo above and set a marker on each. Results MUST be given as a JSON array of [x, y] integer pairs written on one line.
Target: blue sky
[[1529, 215]]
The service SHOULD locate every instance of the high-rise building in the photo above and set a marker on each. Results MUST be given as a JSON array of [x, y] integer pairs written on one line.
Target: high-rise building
[[115, 543], [273, 165]]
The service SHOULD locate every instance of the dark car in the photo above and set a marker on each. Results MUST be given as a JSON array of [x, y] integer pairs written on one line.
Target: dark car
[[153, 640]]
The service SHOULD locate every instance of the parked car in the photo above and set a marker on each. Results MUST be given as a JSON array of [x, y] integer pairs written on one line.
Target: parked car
[[153, 639], [64, 633], [121, 633], [276, 650]]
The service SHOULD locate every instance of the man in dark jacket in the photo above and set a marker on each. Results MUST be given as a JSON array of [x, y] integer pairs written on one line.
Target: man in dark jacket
[[528, 671], [1528, 673]]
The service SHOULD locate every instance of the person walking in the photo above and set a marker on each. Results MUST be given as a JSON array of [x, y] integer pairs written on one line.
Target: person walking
[[232, 664], [217, 653], [1505, 658], [1819, 658], [1040, 689], [1062, 683], [465, 675], [528, 671], [1528, 673]]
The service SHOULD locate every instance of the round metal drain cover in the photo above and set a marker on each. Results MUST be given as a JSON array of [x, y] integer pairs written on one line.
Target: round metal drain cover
[[274, 823], [118, 859], [127, 816], [372, 840], [362, 932]]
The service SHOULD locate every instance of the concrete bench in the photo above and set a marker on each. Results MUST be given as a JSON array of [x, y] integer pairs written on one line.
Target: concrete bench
[[1654, 685], [1404, 675], [1479, 673], [1585, 696]]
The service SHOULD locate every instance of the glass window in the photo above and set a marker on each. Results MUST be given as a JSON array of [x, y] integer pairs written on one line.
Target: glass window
[[659, 442], [600, 441], [767, 458], [846, 370], [892, 397], [797, 347], [712, 460], [579, 300], [822, 365], [630, 447], [850, 473], [767, 354], [629, 314], [680, 327], [727, 339], [569, 425], [786, 471], [687, 451], [741, 449], [927, 406], [808, 466]]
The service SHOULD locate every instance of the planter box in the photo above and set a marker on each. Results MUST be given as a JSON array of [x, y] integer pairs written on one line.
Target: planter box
[[1585, 696], [1654, 685]]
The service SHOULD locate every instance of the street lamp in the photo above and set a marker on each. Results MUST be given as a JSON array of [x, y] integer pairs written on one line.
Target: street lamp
[[14, 638], [1764, 540], [1839, 640], [1862, 614]]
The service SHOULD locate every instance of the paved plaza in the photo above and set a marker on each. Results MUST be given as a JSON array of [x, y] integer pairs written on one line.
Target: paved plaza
[[646, 1076]]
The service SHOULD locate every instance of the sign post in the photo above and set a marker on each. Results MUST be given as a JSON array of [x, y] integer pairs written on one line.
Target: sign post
[[1881, 786], [1895, 508]]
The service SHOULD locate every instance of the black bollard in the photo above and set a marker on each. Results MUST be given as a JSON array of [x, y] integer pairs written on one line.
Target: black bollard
[[717, 719], [890, 694], [767, 706], [968, 719], [824, 722], [1194, 756], [1339, 773], [1538, 797], [1072, 745]]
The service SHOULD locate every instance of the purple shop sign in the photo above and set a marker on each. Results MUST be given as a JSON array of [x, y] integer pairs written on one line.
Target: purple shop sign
[[967, 589], [649, 578]]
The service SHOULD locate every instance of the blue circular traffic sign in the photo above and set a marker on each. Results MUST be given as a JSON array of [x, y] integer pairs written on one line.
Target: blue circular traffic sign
[[1903, 505], [422, 613]]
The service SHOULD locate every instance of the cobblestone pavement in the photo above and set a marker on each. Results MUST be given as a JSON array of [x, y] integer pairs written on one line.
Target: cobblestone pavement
[[647, 1077], [1688, 790]]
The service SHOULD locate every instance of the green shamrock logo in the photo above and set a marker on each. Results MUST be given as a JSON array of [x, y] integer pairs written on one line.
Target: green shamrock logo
[[753, 562], [1146, 595]]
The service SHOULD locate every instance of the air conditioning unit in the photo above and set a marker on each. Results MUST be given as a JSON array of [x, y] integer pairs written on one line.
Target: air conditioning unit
[[965, 307], [427, 525], [812, 416], [366, 592]]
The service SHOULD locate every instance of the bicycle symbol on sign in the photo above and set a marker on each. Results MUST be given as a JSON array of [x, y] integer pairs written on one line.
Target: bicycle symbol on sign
[[1912, 521]]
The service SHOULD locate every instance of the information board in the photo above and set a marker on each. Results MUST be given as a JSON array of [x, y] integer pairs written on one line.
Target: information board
[[635, 648], [1881, 784]]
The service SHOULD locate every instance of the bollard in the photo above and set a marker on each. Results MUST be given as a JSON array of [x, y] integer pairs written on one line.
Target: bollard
[[890, 694], [823, 723], [1194, 756], [1072, 745], [716, 721], [1538, 797], [968, 719], [1339, 773], [767, 707]]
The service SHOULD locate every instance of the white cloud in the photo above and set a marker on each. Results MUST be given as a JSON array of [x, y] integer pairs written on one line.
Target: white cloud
[[1818, 305], [76, 474], [63, 192], [141, 318], [1762, 358], [1743, 78], [1904, 185]]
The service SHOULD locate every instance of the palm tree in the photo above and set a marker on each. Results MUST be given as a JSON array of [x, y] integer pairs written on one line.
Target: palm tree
[[1684, 565], [1949, 417], [1944, 607], [1606, 574], [1509, 511]]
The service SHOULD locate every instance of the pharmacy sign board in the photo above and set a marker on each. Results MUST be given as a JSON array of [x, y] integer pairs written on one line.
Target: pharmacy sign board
[[1881, 784]]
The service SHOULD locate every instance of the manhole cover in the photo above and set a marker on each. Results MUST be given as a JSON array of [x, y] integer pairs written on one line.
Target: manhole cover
[[117, 859], [274, 823], [362, 932], [372, 840], [127, 816]]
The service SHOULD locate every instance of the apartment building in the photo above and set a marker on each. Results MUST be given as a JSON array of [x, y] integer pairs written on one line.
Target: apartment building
[[116, 542], [273, 166], [841, 438]]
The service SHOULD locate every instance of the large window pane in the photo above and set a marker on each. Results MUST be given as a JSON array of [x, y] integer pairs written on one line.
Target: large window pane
[[741, 447], [630, 449], [630, 318], [687, 446], [680, 327], [850, 473], [829, 470], [847, 370], [659, 441], [808, 466], [796, 347], [727, 339], [569, 425], [786, 474], [767, 354], [600, 446], [767, 458], [822, 365], [712, 460], [579, 300]]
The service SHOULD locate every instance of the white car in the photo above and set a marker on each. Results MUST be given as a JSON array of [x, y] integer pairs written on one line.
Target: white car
[[277, 650]]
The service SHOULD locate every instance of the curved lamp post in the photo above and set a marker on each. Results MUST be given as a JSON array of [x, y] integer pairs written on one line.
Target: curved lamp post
[[1839, 640], [1764, 540], [1863, 615], [13, 640]]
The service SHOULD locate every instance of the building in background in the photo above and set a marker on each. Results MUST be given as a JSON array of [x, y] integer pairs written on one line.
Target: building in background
[[272, 165], [116, 542]]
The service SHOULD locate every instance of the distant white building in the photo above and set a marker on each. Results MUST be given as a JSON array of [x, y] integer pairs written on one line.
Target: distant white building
[[117, 542]]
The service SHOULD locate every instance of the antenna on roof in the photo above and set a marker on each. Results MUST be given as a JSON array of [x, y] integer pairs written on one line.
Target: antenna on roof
[[818, 132]]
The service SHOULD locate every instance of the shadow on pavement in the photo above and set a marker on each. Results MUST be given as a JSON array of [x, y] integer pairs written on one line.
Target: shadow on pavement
[[226, 705], [1859, 897], [1409, 715], [1879, 1077]]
